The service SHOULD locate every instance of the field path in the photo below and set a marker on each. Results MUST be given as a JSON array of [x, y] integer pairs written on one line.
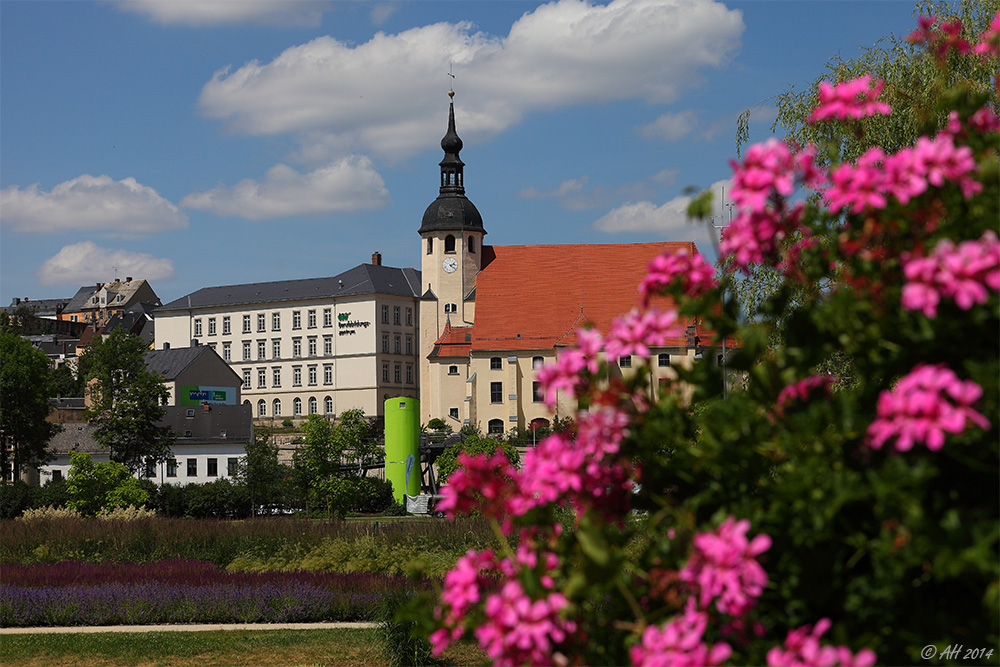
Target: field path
[[204, 627]]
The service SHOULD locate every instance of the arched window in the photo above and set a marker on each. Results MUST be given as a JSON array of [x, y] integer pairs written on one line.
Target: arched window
[[276, 407], [495, 427], [449, 243], [312, 405], [472, 244], [452, 370], [261, 408], [328, 405], [297, 406], [430, 246]]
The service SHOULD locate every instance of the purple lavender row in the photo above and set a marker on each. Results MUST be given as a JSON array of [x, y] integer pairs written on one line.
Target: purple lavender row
[[185, 572], [161, 602]]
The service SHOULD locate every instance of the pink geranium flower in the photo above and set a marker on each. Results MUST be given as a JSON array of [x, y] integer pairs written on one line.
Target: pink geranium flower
[[724, 568], [679, 643], [519, 630], [963, 273], [691, 272], [802, 649], [924, 405], [849, 100]]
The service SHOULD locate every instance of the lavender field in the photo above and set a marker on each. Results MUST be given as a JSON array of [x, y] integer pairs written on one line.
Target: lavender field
[[183, 591], [158, 571]]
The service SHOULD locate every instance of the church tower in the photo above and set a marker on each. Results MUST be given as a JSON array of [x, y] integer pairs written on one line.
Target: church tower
[[451, 237]]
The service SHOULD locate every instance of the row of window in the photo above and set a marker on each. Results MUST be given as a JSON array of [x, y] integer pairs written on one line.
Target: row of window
[[312, 373], [313, 405], [312, 347], [211, 467], [449, 244], [311, 319]]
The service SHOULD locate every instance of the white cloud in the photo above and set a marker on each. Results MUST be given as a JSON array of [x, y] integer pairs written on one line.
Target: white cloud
[[347, 185], [669, 219], [671, 126], [87, 262], [375, 96], [382, 11], [575, 196], [200, 13], [90, 203]]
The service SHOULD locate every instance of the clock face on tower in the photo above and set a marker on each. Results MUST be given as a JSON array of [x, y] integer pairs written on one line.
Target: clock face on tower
[[450, 264]]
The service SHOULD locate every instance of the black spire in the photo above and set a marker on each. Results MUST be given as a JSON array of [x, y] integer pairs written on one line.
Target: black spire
[[452, 210], [451, 165]]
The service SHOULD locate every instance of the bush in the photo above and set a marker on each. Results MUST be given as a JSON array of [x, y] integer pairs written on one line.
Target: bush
[[14, 499], [49, 513], [400, 645], [372, 495]]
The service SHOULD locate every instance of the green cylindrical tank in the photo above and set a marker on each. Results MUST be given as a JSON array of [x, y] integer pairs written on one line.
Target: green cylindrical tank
[[402, 440]]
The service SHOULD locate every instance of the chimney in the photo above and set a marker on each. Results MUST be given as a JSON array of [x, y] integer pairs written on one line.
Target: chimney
[[128, 279], [377, 258], [100, 285]]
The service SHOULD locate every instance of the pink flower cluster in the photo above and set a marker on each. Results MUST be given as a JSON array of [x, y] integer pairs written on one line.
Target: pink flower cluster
[[636, 332], [560, 469], [679, 643], [724, 568], [989, 41], [962, 273], [925, 404], [567, 373], [694, 275], [519, 630], [460, 593], [767, 176], [850, 99], [480, 482], [802, 649], [903, 175], [803, 390]]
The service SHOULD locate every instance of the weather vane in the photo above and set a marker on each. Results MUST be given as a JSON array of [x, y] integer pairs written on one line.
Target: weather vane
[[451, 93]]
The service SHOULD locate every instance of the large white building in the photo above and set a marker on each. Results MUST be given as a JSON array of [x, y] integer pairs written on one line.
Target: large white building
[[314, 346]]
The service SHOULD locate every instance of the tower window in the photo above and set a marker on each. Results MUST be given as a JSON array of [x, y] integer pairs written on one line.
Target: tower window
[[472, 244], [449, 243], [430, 246]]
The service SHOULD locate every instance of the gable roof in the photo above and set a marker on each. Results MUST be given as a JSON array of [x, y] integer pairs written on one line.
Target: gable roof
[[362, 279], [454, 342], [171, 363], [533, 297]]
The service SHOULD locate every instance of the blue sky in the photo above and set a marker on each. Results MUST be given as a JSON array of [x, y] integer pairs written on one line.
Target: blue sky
[[220, 142]]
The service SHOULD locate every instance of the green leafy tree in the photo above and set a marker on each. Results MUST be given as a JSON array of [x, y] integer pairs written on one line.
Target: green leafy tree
[[95, 487], [912, 88], [25, 389], [259, 472], [126, 401]]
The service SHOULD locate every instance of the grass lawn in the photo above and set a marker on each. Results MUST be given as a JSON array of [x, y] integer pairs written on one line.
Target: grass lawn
[[266, 648]]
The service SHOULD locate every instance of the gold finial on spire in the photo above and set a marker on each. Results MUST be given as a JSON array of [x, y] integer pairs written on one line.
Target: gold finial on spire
[[451, 92]]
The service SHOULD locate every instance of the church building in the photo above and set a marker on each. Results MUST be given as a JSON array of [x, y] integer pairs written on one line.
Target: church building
[[491, 316]]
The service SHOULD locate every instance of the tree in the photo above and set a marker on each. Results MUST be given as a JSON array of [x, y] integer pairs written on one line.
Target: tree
[[25, 390], [126, 401], [912, 88], [95, 487], [259, 472]]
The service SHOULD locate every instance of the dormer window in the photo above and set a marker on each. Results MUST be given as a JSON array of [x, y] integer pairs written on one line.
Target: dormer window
[[449, 243]]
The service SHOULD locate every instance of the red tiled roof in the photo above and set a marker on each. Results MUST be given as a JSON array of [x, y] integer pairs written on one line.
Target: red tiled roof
[[453, 342], [535, 296]]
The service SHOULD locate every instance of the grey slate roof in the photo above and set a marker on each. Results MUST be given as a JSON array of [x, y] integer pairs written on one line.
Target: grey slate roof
[[80, 299], [362, 279], [75, 438], [171, 363], [39, 306], [208, 426], [205, 426]]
